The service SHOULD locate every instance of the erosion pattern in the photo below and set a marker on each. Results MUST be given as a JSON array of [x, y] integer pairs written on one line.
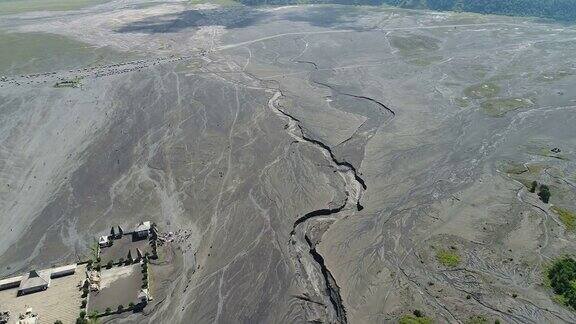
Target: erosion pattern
[[313, 161]]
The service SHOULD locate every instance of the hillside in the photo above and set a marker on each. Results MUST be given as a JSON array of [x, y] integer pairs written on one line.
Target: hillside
[[561, 10]]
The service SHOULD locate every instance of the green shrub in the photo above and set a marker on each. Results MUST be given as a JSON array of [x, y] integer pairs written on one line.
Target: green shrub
[[544, 193], [120, 308], [131, 305], [411, 319], [562, 276], [108, 310], [58, 322], [83, 303], [533, 186], [448, 258], [82, 314]]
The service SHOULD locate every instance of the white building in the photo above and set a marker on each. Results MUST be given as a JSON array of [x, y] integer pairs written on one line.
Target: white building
[[34, 281], [103, 241], [143, 229]]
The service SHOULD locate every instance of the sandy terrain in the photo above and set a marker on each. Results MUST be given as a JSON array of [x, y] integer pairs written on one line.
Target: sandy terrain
[[61, 301], [313, 160]]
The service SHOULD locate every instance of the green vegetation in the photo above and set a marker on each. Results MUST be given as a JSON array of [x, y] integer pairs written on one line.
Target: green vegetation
[[461, 102], [544, 193], [562, 276], [73, 83], [448, 258], [412, 319], [29, 53], [416, 49], [58, 322], [533, 186], [483, 90], [499, 107], [414, 43], [567, 217], [18, 6]]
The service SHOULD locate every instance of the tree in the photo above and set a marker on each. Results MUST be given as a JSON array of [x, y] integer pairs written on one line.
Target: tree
[[562, 276], [544, 193], [109, 264], [112, 232], [534, 185], [58, 322], [108, 310], [82, 314], [120, 308], [131, 305]]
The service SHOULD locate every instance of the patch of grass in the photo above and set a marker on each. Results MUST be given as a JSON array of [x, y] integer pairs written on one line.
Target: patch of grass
[[19, 6], [461, 102], [499, 107], [483, 90], [411, 319], [414, 43], [27, 53], [448, 258], [559, 299], [567, 217]]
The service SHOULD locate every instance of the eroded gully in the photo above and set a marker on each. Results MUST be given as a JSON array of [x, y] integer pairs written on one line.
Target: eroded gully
[[302, 242]]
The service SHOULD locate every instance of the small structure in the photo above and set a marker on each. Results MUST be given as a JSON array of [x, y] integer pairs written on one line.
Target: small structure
[[142, 230], [63, 271], [33, 282], [104, 241], [10, 283]]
